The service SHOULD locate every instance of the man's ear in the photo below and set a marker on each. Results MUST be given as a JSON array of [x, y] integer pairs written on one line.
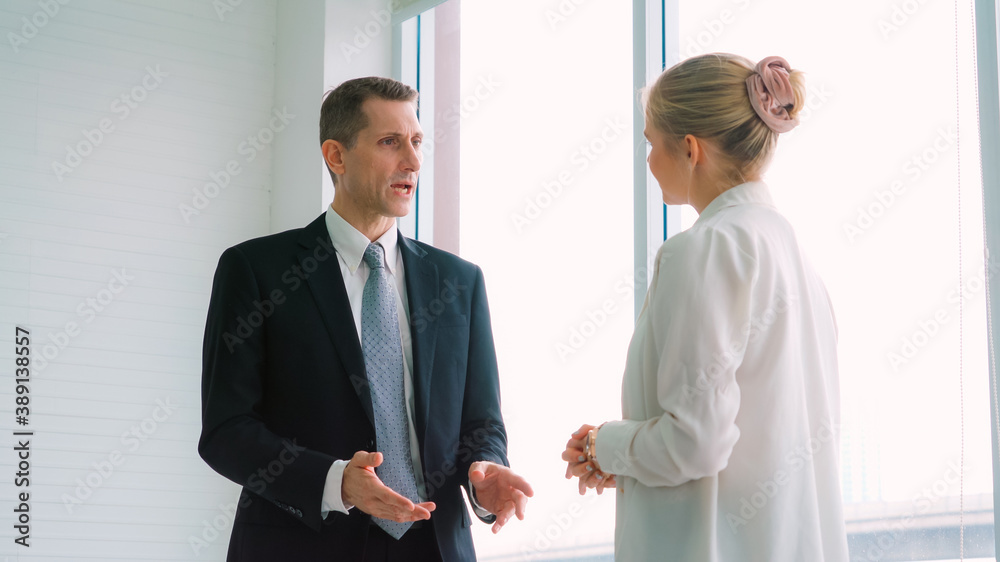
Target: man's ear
[[333, 154]]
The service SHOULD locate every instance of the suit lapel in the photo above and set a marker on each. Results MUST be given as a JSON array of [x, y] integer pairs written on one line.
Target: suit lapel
[[327, 286], [421, 289]]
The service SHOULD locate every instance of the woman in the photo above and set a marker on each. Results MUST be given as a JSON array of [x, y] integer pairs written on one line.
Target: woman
[[728, 449]]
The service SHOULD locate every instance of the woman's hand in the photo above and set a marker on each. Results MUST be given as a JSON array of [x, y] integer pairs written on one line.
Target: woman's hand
[[578, 465]]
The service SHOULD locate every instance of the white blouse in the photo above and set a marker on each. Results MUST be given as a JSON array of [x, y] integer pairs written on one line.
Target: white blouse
[[729, 444]]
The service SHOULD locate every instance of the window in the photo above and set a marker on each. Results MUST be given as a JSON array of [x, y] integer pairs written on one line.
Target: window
[[552, 172], [871, 183], [546, 205]]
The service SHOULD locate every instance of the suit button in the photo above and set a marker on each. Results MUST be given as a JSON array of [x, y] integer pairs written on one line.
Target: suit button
[[299, 513], [371, 444]]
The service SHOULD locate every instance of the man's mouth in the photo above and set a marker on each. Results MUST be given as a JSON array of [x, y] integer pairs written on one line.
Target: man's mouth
[[403, 188]]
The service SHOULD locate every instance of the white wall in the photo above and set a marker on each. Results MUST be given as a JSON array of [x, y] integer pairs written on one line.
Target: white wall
[[103, 246], [321, 43], [358, 44], [296, 193], [113, 212]]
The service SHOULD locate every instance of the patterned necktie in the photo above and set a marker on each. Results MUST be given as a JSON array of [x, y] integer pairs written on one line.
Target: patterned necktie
[[383, 352]]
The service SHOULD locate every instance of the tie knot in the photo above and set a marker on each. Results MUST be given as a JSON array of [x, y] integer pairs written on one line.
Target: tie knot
[[374, 256]]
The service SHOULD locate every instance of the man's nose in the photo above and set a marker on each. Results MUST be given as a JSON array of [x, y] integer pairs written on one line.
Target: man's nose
[[412, 158]]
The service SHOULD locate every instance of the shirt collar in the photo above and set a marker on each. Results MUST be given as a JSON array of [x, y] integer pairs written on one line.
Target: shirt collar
[[743, 194], [351, 244]]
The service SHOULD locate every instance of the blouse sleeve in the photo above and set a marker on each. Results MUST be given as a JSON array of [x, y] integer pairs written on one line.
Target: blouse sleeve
[[699, 323]]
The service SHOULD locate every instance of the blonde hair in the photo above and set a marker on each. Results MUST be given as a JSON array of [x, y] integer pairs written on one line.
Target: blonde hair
[[706, 96]]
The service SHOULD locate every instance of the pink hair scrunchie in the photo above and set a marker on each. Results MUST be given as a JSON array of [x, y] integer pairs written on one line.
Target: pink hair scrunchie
[[770, 92]]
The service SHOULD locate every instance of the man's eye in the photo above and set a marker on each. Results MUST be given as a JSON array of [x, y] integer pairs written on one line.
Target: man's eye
[[418, 142], [388, 142]]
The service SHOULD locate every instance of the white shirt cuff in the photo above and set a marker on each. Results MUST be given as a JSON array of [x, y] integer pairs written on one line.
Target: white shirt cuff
[[612, 447], [333, 500], [481, 512]]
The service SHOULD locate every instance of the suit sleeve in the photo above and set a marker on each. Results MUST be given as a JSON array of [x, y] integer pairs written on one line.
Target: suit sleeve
[[235, 440], [483, 436]]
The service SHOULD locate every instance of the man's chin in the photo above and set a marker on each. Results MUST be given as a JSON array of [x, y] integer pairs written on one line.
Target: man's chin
[[400, 210]]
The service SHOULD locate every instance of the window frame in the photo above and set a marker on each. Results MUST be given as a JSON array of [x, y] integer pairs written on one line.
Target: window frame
[[415, 57], [989, 137]]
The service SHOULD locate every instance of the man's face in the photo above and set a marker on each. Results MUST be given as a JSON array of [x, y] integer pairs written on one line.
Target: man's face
[[380, 172]]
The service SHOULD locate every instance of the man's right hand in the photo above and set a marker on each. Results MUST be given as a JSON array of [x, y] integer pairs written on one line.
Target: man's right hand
[[363, 489]]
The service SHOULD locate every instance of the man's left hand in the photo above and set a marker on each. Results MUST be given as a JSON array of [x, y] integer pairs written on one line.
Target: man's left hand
[[500, 491]]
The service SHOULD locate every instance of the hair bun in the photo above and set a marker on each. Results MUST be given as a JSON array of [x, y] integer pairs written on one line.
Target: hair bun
[[772, 95]]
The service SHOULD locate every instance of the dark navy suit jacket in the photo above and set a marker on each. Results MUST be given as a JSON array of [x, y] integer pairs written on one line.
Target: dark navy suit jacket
[[284, 391]]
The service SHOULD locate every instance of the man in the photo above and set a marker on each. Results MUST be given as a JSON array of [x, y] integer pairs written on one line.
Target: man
[[350, 380]]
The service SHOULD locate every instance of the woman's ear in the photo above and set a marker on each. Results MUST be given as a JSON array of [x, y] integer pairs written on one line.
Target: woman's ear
[[333, 154], [694, 150]]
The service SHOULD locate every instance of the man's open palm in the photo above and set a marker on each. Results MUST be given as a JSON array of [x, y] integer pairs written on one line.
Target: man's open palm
[[500, 491]]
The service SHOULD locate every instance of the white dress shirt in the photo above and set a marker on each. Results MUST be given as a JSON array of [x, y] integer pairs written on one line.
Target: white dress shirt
[[729, 444], [351, 244]]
